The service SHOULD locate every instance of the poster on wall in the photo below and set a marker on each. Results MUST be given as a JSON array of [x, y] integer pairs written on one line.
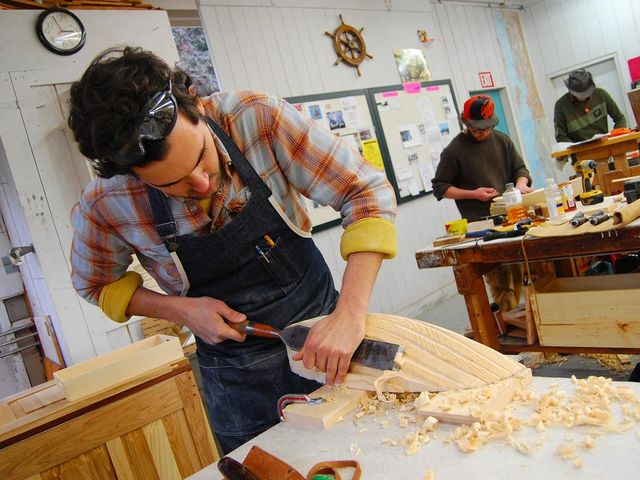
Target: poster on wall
[[412, 65], [195, 59]]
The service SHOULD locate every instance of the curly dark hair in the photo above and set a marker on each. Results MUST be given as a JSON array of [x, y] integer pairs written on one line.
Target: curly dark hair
[[107, 107]]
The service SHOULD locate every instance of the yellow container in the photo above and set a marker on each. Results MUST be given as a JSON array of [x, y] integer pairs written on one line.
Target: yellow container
[[457, 227]]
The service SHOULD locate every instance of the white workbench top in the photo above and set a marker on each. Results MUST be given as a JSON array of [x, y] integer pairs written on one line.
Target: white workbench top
[[615, 455]]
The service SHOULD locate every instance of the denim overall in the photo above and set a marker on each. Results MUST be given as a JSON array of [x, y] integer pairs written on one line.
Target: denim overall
[[284, 284]]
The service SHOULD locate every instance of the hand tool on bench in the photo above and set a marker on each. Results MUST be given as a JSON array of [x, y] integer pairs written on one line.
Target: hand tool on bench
[[578, 219], [370, 353]]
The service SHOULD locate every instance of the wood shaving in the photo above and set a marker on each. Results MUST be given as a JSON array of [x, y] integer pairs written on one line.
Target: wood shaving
[[380, 381], [428, 475], [592, 405]]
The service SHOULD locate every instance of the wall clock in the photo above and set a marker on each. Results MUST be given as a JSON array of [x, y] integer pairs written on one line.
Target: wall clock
[[60, 31], [349, 45]]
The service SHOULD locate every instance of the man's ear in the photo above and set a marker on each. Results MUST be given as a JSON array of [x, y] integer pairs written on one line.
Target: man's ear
[[199, 104]]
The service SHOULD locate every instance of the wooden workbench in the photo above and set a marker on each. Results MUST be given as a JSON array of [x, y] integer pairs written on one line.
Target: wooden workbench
[[612, 457], [471, 260], [600, 150]]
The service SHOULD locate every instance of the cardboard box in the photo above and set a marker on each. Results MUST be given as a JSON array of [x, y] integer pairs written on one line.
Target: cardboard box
[[594, 311]]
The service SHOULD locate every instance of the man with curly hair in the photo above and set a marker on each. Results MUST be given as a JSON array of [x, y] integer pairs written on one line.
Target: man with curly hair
[[206, 192]]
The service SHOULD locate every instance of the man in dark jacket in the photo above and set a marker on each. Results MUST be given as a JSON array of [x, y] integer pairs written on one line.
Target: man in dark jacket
[[582, 112], [474, 169]]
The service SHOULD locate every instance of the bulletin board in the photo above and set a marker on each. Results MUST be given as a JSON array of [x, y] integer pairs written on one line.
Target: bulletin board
[[345, 114], [417, 121]]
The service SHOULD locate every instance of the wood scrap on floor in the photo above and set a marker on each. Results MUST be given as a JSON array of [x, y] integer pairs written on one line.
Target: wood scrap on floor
[[435, 359]]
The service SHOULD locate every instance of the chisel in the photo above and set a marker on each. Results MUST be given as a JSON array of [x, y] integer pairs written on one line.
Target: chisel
[[370, 353]]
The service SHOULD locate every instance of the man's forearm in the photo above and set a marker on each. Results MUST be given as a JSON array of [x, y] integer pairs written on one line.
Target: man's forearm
[[147, 303], [455, 193], [358, 282]]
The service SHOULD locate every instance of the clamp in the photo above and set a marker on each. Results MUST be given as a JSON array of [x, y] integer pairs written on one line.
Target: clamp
[[290, 398]]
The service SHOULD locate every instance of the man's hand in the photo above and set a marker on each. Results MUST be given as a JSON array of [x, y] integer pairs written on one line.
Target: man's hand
[[484, 194], [522, 184], [207, 318], [330, 345]]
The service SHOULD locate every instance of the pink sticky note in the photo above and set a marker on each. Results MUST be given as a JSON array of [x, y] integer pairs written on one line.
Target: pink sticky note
[[433, 88], [389, 94], [412, 87]]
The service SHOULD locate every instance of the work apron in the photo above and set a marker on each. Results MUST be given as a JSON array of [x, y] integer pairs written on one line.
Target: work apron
[[277, 283]]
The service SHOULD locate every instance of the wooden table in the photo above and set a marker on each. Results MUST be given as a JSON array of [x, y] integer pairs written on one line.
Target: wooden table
[[362, 440], [600, 150], [471, 260]]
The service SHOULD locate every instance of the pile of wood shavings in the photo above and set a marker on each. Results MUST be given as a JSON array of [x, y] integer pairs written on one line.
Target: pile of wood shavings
[[591, 406]]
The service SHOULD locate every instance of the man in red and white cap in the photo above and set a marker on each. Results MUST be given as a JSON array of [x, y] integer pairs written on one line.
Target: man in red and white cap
[[474, 168]]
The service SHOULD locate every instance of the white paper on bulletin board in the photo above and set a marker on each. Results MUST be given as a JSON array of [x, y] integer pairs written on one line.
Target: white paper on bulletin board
[[348, 117], [417, 131]]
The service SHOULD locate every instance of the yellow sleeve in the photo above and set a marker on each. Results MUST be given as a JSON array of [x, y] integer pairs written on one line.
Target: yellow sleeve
[[370, 235], [115, 297]]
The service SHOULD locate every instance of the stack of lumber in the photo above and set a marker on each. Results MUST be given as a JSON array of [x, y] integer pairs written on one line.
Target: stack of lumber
[[77, 4]]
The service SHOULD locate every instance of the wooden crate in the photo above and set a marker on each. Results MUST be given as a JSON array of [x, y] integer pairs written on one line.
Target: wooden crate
[[594, 311], [115, 367]]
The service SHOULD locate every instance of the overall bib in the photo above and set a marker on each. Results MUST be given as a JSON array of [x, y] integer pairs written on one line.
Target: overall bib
[[277, 285]]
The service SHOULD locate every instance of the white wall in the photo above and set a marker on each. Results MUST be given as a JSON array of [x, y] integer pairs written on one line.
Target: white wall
[[42, 168], [568, 34], [280, 46]]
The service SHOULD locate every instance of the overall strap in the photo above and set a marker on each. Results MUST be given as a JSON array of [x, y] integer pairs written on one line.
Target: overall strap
[[165, 223], [239, 161]]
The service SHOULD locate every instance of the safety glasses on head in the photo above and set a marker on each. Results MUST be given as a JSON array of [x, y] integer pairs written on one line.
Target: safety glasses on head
[[160, 115]]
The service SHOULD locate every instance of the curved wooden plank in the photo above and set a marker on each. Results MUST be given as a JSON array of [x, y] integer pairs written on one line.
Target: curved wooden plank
[[434, 359]]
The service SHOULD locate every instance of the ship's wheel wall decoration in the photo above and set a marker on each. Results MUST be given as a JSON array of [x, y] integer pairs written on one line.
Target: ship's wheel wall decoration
[[349, 45]]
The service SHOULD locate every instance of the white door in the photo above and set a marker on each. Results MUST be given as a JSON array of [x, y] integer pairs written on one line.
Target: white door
[[13, 374]]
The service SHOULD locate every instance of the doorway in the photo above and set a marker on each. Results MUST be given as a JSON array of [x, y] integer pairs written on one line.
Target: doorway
[[503, 111], [605, 75]]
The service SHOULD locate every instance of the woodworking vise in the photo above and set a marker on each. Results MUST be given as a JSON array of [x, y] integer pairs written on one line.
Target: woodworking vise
[[589, 195]]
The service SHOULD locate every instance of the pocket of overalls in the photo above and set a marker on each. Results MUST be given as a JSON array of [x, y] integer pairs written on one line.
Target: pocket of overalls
[[269, 258]]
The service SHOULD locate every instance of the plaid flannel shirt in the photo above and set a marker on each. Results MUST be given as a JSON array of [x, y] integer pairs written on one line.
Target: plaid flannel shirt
[[293, 156]]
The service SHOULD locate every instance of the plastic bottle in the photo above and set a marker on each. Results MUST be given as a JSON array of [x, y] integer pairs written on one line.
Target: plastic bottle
[[552, 195], [513, 202], [566, 189]]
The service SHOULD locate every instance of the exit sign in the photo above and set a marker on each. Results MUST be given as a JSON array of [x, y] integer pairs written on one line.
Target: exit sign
[[486, 79]]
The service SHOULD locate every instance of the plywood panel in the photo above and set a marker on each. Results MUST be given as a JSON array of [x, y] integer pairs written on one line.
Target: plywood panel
[[120, 460], [182, 444], [43, 451], [139, 455], [197, 419], [95, 464], [161, 452]]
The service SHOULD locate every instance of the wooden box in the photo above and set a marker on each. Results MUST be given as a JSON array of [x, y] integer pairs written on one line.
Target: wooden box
[[113, 368], [595, 311], [151, 427]]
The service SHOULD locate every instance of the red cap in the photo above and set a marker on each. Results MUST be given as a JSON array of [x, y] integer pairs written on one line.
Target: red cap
[[478, 112]]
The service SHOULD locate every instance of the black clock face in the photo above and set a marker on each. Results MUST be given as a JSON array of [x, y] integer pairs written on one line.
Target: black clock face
[[60, 31]]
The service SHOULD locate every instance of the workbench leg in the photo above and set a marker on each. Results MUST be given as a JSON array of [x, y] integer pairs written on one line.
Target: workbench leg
[[471, 284], [621, 163], [601, 169]]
